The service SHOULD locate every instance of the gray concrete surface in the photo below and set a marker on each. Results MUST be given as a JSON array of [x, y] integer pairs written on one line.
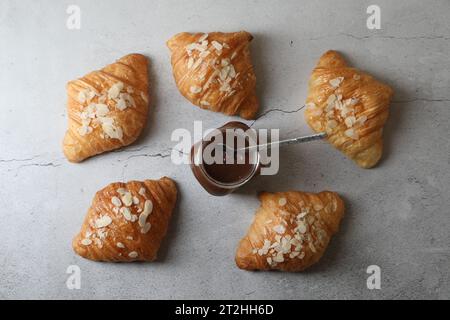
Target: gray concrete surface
[[397, 214]]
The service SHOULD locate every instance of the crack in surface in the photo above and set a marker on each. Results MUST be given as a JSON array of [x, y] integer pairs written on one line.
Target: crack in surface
[[275, 110], [440, 37]]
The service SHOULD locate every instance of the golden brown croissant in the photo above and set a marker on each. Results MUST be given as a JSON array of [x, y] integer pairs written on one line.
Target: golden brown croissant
[[107, 109], [214, 71], [127, 222], [290, 231], [351, 106]]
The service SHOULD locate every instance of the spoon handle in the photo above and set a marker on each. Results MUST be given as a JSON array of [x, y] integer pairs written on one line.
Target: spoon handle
[[312, 137]]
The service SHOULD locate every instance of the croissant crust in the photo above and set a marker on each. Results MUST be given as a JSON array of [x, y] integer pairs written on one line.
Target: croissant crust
[[214, 71], [107, 109], [351, 106], [290, 231], [127, 221]]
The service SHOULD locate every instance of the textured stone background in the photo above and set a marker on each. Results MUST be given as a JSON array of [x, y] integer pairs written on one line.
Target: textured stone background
[[397, 214]]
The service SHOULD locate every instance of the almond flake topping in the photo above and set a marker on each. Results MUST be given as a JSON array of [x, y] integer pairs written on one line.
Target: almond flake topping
[[103, 221], [282, 201], [86, 242], [133, 254], [116, 201], [142, 191], [126, 213], [120, 245], [279, 229], [195, 89], [127, 199], [114, 90], [335, 83]]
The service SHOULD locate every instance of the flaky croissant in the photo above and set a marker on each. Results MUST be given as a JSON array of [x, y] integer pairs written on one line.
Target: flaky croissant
[[290, 231], [351, 106], [127, 222], [214, 71], [107, 109]]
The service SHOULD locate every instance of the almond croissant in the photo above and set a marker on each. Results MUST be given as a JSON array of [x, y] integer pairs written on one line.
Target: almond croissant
[[127, 221], [214, 71], [107, 109], [290, 231], [351, 106]]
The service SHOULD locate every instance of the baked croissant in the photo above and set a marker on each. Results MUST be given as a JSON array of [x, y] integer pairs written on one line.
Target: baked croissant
[[351, 106], [127, 221], [214, 71], [290, 231], [107, 109]]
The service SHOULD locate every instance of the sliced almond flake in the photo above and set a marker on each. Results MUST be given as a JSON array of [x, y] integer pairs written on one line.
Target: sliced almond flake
[[279, 257], [114, 90], [280, 229], [269, 260], [120, 245], [254, 251], [127, 199], [302, 214], [332, 124], [361, 120], [351, 133], [142, 191], [103, 221], [116, 201], [129, 238], [203, 37], [133, 254], [148, 207], [301, 227], [233, 55], [134, 218], [135, 200], [142, 219], [302, 255], [112, 131], [350, 121], [282, 201], [146, 228], [225, 62], [126, 213], [121, 104], [122, 191], [86, 242], [130, 90], [204, 103], [335, 83], [195, 89], [312, 247], [217, 45], [232, 72]]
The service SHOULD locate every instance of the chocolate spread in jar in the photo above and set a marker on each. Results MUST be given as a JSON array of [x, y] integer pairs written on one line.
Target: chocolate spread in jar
[[235, 167]]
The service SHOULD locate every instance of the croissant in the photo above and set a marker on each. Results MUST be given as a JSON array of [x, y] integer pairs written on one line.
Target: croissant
[[127, 221], [290, 231], [350, 106], [214, 71], [107, 109]]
